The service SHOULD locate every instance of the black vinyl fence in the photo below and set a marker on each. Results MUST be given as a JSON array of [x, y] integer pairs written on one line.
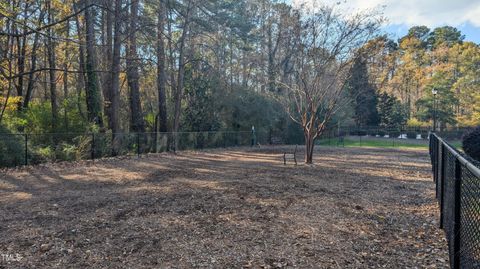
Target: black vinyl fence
[[457, 179]]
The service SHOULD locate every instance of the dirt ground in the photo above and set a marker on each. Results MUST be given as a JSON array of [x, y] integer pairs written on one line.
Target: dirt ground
[[239, 208]]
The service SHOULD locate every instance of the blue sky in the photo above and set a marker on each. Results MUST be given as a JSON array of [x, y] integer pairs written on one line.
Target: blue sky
[[402, 14]]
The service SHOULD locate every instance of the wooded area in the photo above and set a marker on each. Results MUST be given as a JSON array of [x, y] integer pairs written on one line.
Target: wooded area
[[169, 130], [189, 65]]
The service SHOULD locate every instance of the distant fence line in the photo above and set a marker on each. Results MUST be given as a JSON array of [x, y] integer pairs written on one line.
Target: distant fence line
[[457, 179], [35, 148], [407, 132], [25, 149]]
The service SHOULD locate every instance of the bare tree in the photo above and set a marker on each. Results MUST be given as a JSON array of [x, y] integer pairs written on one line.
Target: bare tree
[[326, 46]]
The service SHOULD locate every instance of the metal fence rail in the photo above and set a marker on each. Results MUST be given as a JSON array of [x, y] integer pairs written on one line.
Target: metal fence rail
[[457, 179]]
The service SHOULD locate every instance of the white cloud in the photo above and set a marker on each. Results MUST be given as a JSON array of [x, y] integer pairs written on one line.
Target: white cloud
[[431, 13]]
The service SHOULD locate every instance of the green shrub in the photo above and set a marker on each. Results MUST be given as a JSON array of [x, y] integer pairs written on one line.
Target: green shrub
[[411, 135], [67, 152], [361, 133], [42, 155], [12, 149], [394, 134]]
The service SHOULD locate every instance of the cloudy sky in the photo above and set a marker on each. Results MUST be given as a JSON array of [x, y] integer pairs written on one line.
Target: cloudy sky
[[402, 14]]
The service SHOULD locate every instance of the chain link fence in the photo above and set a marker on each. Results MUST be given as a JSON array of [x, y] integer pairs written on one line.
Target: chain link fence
[[29, 149], [457, 179], [380, 137]]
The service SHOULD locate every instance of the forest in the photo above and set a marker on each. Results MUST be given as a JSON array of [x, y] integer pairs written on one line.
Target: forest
[[82, 66]]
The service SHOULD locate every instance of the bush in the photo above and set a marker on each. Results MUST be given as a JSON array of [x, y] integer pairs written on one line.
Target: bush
[[394, 134], [67, 152], [12, 149], [42, 155], [471, 143], [359, 133], [414, 123], [411, 135]]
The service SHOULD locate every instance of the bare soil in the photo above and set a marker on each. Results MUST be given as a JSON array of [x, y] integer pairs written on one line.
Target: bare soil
[[234, 208]]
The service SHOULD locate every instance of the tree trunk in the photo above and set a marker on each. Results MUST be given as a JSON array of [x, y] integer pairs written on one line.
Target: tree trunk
[[173, 81], [21, 56], [114, 81], [21, 51], [92, 90], [107, 57], [309, 145], [33, 66], [271, 59], [52, 73], [181, 74], [161, 74], [137, 123], [65, 75], [81, 67]]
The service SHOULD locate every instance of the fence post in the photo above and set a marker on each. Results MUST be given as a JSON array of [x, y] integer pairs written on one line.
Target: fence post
[[437, 159], [26, 149], [442, 184], [437, 166], [177, 142], [93, 147], [138, 144], [195, 140], [457, 215]]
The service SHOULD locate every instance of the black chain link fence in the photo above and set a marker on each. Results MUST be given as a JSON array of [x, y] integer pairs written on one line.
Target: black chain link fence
[[30, 149], [457, 179], [452, 133], [27, 149]]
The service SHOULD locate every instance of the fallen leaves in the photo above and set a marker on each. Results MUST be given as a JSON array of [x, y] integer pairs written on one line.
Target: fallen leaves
[[240, 208]]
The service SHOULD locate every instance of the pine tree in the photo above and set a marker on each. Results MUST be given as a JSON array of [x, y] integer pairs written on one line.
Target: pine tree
[[363, 95], [392, 114]]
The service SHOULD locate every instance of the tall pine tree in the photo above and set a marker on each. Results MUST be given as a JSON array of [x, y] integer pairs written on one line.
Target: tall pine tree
[[363, 95]]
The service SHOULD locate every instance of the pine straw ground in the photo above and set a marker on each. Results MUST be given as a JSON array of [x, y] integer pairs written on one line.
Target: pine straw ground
[[354, 208]]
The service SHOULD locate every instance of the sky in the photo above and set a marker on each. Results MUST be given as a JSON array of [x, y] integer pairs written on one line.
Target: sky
[[402, 14]]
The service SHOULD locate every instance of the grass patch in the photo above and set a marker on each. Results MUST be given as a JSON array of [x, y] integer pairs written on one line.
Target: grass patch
[[380, 143]]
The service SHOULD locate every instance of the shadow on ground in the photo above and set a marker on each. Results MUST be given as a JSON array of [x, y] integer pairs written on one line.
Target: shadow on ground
[[354, 208]]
